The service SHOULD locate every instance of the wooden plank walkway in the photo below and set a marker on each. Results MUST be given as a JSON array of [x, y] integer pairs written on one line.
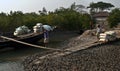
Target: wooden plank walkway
[[68, 51], [59, 52], [71, 50]]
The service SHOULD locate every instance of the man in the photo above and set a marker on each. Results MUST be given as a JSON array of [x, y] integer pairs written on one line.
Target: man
[[46, 37], [98, 31]]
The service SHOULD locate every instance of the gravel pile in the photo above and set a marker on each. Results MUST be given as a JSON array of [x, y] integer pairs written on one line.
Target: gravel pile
[[100, 58]]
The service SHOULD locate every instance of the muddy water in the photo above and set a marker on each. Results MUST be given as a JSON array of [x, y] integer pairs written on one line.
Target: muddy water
[[11, 60], [11, 66]]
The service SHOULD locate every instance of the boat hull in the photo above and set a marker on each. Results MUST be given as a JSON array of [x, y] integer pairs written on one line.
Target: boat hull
[[29, 39]]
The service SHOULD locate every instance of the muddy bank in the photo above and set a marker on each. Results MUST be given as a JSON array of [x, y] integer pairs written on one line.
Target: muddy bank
[[100, 58]]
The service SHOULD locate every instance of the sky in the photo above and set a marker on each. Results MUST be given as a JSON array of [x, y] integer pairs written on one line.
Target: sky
[[36, 5]]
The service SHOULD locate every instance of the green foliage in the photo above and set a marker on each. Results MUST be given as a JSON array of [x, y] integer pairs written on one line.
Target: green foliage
[[114, 18], [65, 18]]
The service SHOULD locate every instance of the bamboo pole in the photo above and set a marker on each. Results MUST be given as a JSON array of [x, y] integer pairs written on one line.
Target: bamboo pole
[[25, 43]]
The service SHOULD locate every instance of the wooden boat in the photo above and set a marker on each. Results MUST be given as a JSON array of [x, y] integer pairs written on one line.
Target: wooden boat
[[29, 38]]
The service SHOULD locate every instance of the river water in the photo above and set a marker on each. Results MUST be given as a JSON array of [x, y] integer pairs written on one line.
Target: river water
[[12, 60], [11, 66]]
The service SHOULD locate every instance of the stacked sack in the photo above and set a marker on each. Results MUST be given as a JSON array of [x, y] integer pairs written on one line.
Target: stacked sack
[[21, 30], [38, 28], [108, 36]]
